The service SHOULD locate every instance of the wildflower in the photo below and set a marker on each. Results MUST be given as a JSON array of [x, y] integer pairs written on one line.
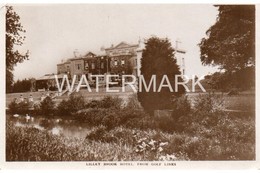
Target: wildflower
[[160, 149], [163, 144], [152, 142], [172, 157]]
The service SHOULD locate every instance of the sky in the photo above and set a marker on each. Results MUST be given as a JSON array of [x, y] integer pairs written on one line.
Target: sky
[[54, 32]]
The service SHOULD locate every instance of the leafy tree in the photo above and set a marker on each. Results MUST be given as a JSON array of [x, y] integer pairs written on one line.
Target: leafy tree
[[22, 85], [158, 59], [230, 42], [13, 39]]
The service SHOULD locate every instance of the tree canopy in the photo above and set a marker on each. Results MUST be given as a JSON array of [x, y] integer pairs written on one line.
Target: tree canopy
[[230, 42], [14, 38]]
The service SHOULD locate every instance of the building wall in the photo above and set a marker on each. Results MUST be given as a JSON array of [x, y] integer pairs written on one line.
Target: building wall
[[85, 65], [180, 57], [121, 59]]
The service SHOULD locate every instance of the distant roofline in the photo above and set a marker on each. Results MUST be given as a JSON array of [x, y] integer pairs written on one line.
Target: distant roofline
[[116, 47], [79, 58]]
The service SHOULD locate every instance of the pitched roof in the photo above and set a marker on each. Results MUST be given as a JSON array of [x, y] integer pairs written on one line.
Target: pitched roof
[[50, 76], [90, 54], [122, 45]]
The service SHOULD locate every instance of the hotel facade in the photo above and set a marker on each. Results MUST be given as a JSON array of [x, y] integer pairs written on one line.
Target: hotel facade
[[121, 59]]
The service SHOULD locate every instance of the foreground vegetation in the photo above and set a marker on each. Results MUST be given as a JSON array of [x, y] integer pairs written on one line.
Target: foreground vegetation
[[120, 131]]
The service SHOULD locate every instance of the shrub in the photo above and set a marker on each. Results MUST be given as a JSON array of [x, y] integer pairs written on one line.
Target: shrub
[[181, 114], [110, 113], [101, 134], [18, 108], [37, 108], [68, 107], [93, 104], [110, 102], [92, 116], [177, 119], [47, 106], [208, 104], [112, 118], [13, 107], [164, 123]]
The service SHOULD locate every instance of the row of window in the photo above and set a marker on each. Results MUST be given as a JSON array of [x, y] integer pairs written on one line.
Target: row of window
[[93, 66], [116, 62]]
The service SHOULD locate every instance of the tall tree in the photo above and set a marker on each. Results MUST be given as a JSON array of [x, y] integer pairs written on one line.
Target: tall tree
[[158, 59], [230, 42], [13, 39]]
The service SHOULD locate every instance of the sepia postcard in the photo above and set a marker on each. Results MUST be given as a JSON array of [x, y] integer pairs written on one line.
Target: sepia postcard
[[158, 86]]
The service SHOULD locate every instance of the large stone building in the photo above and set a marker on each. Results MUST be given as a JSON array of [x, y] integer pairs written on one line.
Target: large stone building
[[89, 64], [121, 59]]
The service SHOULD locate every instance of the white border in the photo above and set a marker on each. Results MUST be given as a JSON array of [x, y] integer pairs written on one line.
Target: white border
[[221, 165]]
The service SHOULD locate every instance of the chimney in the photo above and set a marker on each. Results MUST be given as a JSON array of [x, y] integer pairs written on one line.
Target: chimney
[[76, 53]]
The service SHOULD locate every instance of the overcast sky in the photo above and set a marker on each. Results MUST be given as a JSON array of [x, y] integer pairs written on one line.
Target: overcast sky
[[53, 32]]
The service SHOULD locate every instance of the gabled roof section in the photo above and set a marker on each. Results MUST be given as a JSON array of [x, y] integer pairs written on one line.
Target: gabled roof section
[[90, 54], [123, 45]]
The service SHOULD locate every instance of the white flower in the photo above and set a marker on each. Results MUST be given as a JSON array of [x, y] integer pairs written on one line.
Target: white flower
[[152, 142], [163, 144], [160, 149]]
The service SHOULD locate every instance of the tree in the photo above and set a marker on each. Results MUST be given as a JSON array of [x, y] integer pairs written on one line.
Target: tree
[[230, 42], [13, 39], [24, 85], [158, 59]]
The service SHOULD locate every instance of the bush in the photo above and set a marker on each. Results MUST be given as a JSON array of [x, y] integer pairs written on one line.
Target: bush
[[100, 134], [110, 102], [110, 112], [181, 114], [91, 116], [47, 106], [68, 107], [18, 108], [176, 119]]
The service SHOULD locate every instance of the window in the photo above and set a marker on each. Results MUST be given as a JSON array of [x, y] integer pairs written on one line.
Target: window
[[102, 65], [78, 66], [93, 65], [116, 63], [122, 62], [86, 65]]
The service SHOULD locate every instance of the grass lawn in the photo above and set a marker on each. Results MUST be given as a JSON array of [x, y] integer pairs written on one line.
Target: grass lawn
[[244, 102]]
